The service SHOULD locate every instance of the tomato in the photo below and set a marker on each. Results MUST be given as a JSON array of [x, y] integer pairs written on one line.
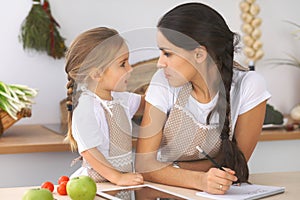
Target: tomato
[[48, 185], [62, 188], [63, 178]]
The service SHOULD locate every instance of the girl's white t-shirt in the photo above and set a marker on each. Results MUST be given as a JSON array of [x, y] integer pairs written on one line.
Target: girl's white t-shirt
[[247, 91], [89, 125]]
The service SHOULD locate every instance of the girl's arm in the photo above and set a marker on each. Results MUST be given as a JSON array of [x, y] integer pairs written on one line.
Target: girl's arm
[[96, 159], [155, 171], [248, 128]]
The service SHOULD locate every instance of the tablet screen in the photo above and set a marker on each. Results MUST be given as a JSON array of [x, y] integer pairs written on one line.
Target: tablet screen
[[140, 193]]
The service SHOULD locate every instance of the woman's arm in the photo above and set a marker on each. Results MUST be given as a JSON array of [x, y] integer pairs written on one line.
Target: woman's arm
[[248, 128], [199, 165], [99, 163], [155, 171]]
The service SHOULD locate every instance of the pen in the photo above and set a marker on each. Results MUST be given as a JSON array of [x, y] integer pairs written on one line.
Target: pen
[[210, 158]]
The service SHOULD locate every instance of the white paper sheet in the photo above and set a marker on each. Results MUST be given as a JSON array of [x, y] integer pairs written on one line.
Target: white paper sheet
[[245, 191]]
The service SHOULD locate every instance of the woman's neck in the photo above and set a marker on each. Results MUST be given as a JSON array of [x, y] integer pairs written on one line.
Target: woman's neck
[[205, 86], [202, 93]]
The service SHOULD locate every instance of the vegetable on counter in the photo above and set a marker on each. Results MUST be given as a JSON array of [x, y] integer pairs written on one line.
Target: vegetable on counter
[[273, 116], [15, 97]]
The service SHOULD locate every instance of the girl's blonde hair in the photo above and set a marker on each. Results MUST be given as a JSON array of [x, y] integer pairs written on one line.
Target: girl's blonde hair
[[92, 50]]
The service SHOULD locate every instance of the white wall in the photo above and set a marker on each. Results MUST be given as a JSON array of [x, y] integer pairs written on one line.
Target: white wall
[[275, 156], [46, 74], [30, 169]]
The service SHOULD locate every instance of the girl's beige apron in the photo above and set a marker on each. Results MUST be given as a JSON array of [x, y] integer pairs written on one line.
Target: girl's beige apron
[[182, 133], [120, 141]]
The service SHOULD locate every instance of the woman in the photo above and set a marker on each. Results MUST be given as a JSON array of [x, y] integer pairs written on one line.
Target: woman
[[199, 97]]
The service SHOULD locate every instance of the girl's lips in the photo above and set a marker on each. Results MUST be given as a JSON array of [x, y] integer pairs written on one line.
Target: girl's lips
[[167, 75]]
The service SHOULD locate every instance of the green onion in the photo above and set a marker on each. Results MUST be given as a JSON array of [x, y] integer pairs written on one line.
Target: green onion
[[14, 97]]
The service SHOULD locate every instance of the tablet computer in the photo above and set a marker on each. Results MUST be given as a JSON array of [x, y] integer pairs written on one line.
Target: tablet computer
[[140, 192]]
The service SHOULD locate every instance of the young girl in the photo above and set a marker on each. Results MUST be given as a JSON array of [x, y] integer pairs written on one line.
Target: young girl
[[99, 110]]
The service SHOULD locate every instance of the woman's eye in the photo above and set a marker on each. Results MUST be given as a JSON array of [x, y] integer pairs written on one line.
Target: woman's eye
[[167, 54]]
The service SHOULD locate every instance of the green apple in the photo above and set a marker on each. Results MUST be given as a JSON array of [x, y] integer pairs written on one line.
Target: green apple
[[38, 194], [81, 188]]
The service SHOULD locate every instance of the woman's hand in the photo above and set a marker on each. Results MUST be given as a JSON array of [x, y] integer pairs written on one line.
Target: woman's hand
[[130, 179], [216, 181]]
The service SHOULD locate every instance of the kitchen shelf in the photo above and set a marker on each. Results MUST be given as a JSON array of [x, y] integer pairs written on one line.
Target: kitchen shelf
[[38, 138], [31, 138]]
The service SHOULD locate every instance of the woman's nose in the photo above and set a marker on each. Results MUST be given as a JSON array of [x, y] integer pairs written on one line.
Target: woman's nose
[[161, 63]]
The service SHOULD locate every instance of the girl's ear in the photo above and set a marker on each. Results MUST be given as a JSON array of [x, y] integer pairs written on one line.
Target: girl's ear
[[200, 54], [95, 74]]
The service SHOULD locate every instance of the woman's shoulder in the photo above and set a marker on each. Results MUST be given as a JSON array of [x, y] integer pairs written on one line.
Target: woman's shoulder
[[250, 84], [245, 77]]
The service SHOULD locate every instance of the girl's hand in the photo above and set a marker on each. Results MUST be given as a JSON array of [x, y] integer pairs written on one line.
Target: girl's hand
[[216, 181], [130, 179]]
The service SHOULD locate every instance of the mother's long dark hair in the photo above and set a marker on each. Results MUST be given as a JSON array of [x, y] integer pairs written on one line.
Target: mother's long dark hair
[[207, 28]]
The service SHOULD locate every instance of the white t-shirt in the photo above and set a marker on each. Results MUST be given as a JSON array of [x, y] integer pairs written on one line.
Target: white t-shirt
[[247, 91], [89, 125]]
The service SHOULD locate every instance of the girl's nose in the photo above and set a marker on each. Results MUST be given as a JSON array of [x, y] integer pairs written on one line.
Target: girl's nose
[[129, 68]]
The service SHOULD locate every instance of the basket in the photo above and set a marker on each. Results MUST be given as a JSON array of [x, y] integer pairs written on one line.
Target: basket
[[7, 121]]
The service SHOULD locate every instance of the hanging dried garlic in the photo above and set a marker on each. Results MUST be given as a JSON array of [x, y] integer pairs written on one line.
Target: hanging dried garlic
[[252, 33]]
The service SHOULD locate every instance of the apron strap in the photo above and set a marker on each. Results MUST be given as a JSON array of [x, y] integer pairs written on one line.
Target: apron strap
[[120, 139], [184, 94]]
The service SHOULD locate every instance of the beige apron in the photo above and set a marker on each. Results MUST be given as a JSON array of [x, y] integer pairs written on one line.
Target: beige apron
[[182, 133], [120, 141]]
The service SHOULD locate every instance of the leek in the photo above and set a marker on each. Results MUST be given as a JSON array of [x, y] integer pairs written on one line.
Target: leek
[[14, 97]]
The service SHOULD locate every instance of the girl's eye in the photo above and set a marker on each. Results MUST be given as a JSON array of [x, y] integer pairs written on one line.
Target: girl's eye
[[123, 64]]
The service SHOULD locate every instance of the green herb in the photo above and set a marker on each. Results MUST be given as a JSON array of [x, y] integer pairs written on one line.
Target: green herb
[[39, 31], [13, 98]]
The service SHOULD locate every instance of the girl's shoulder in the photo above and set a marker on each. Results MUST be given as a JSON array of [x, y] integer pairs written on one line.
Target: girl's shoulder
[[126, 98], [86, 97], [124, 95], [87, 102]]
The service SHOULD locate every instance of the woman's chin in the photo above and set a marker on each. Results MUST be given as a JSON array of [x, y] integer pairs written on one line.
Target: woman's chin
[[176, 83]]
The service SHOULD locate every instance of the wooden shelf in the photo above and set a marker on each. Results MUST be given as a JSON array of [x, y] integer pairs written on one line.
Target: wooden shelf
[[37, 138], [280, 133], [31, 138]]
